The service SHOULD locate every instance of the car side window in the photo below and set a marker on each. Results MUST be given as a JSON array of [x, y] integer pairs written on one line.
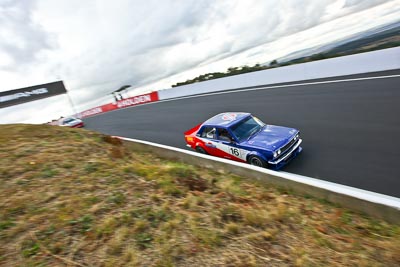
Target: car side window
[[209, 132], [224, 135]]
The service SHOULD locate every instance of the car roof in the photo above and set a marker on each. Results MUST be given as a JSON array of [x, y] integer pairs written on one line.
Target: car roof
[[226, 119]]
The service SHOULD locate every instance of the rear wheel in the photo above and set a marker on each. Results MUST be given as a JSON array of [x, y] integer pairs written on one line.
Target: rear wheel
[[257, 161], [201, 150]]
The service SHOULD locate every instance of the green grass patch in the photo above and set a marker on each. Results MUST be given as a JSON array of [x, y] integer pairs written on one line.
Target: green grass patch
[[48, 172], [82, 224], [6, 224], [143, 240], [29, 248]]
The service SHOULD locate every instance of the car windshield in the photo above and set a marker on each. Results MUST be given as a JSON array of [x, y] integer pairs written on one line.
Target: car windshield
[[68, 120], [246, 128]]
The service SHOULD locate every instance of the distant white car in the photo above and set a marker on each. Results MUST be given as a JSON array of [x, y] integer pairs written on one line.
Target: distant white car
[[71, 122]]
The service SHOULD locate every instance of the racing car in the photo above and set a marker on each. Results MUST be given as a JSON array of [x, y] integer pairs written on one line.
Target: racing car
[[242, 137], [71, 122]]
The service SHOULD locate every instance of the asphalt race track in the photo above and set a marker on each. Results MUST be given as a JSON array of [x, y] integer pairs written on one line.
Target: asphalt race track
[[350, 129]]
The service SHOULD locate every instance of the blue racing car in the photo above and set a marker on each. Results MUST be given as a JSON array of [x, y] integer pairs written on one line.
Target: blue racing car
[[242, 137]]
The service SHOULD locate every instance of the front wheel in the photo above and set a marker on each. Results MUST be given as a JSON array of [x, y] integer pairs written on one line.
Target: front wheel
[[201, 150], [257, 161]]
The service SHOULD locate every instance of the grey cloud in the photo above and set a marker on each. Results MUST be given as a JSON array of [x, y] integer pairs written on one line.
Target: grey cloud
[[162, 24], [138, 42], [141, 55], [362, 4], [265, 26], [20, 37], [135, 55]]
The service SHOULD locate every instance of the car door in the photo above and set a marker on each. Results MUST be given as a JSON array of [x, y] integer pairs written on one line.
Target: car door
[[209, 137], [228, 146]]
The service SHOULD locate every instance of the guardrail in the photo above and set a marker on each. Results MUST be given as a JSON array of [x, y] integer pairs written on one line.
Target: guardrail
[[370, 203], [381, 60]]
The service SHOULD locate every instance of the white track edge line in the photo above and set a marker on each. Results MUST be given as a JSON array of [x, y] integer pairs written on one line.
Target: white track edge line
[[362, 194], [244, 90], [275, 86]]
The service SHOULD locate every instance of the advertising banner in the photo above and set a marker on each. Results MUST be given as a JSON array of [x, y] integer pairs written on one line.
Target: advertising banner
[[137, 100], [32, 93], [128, 102], [97, 110]]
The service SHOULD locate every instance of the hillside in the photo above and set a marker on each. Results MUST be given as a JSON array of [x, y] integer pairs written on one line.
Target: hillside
[[72, 197], [374, 41]]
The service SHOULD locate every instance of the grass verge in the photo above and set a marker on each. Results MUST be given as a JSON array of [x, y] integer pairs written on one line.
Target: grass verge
[[71, 197]]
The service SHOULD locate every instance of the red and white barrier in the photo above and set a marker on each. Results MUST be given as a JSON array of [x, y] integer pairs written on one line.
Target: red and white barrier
[[137, 100], [128, 102]]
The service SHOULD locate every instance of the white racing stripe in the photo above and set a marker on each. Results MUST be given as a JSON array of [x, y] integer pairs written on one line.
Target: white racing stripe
[[231, 150]]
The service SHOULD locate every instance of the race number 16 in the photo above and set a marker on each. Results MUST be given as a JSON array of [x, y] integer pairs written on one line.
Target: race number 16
[[235, 152]]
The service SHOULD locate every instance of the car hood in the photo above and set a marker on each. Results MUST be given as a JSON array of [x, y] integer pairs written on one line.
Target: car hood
[[271, 137]]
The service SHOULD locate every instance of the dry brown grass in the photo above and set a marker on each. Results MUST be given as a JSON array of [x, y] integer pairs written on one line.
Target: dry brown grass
[[71, 197]]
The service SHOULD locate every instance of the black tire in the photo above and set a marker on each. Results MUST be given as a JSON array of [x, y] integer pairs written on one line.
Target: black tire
[[257, 161], [201, 150]]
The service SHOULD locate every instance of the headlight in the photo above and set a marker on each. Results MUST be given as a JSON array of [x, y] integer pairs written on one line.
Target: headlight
[[277, 153]]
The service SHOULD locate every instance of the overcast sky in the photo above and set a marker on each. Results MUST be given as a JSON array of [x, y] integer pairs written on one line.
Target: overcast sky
[[95, 47]]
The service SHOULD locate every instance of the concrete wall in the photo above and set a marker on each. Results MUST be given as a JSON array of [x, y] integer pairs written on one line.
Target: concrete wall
[[381, 60], [373, 204]]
